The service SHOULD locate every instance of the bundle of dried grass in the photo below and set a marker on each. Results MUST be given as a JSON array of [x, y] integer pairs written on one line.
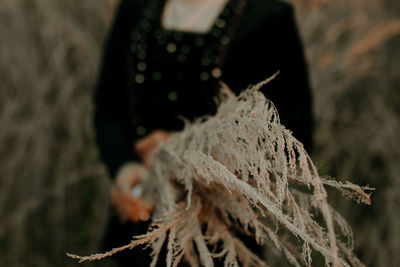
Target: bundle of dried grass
[[241, 171]]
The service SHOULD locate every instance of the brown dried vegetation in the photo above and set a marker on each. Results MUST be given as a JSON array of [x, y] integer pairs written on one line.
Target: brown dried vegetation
[[241, 171]]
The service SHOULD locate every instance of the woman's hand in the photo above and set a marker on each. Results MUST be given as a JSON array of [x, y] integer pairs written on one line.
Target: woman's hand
[[129, 207], [146, 147]]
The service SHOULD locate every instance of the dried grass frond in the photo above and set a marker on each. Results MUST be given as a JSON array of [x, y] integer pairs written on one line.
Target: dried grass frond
[[241, 171]]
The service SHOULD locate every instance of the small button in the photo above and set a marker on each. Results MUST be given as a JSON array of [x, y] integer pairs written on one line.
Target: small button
[[140, 130], [216, 73], [156, 76], [205, 61], [224, 40], [141, 55], [220, 23], [173, 96], [139, 78], [204, 76], [171, 47], [141, 66]]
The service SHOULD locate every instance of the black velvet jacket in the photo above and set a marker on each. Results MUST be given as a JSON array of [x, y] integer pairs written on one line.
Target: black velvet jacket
[[265, 41]]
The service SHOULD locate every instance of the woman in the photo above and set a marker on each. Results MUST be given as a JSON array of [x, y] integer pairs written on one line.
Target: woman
[[164, 60]]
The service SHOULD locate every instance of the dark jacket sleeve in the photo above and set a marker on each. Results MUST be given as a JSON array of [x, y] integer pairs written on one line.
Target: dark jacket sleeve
[[112, 123], [275, 45]]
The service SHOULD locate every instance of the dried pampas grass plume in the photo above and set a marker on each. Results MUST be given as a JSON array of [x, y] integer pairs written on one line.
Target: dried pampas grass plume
[[241, 171]]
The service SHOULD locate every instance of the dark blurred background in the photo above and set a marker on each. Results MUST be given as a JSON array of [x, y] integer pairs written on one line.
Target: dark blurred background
[[53, 188]]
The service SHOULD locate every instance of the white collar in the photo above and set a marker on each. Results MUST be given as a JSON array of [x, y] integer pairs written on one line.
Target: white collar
[[191, 15]]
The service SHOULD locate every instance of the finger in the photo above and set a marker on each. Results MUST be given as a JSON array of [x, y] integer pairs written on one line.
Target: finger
[[152, 141], [129, 207], [144, 143], [140, 215], [135, 213], [144, 216], [122, 203], [128, 211], [140, 210]]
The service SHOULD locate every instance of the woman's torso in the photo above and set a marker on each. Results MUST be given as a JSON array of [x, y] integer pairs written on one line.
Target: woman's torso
[[174, 74]]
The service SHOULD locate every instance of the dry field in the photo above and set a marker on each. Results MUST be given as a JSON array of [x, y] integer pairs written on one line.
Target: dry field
[[53, 188], [353, 48]]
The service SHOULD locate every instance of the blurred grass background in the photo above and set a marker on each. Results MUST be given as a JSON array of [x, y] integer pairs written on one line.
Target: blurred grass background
[[53, 188]]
